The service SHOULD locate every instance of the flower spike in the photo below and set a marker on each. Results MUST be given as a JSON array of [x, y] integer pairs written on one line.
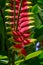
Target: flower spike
[[20, 24]]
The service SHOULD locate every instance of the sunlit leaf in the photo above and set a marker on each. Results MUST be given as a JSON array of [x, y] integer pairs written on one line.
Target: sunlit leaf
[[3, 57], [34, 54], [35, 8], [4, 61]]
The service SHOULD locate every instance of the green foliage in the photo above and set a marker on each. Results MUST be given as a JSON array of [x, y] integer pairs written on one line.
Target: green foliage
[[1, 34], [2, 57], [31, 55], [40, 1], [34, 54], [35, 9], [2, 3], [38, 15]]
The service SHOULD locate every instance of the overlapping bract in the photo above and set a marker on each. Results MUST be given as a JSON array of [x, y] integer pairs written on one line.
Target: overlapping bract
[[20, 23]]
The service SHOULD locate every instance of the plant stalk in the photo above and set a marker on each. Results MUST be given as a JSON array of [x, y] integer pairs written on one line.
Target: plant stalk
[[13, 57], [19, 13]]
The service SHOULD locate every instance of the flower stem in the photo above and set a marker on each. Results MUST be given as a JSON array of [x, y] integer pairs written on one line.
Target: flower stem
[[13, 57], [19, 13]]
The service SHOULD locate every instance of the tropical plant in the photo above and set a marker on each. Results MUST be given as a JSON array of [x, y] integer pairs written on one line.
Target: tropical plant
[[19, 30]]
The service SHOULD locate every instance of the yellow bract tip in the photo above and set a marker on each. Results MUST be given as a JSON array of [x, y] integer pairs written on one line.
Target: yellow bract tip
[[9, 33], [7, 4], [8, 10], [31, 27], [30, 13], [33, 40], [7, 22], [7, 17], [29, 7], [8, 27], [31, 22], [29, 2], [31, 18]]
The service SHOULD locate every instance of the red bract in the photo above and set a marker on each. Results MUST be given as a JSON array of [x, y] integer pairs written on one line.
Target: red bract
[[20, 23], [24, 14], [18, 46], [24, 29], [17, 39], [26, 35], [23, 52]]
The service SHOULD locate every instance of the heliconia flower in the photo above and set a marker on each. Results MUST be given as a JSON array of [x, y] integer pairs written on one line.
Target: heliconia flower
[[20, 21], [27, 2], [25, 8], [9, 33], [27, 41], [22, 52], [17, 0], [9, 17], [24, 14], [7, 4], [17, 6], [12, 5], [8, 28], [16, 12], [24, 29], [26, 35], [9, 10], [17, 39], [11, 22], [14, 33], [25, 23], [18, 46], [25, 19]]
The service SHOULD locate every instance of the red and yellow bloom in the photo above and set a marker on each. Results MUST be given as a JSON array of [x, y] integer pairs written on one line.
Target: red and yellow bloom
[[21, 25]]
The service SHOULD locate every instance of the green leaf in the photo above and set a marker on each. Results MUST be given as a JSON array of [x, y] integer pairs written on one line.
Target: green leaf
[[37, 22], [41, 56], [40, 38], [2, 3], [41, 27], [36, 9], [19, 61], [40, 1], [3, 57], [34, 54], [39, 33], [4, 61]]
